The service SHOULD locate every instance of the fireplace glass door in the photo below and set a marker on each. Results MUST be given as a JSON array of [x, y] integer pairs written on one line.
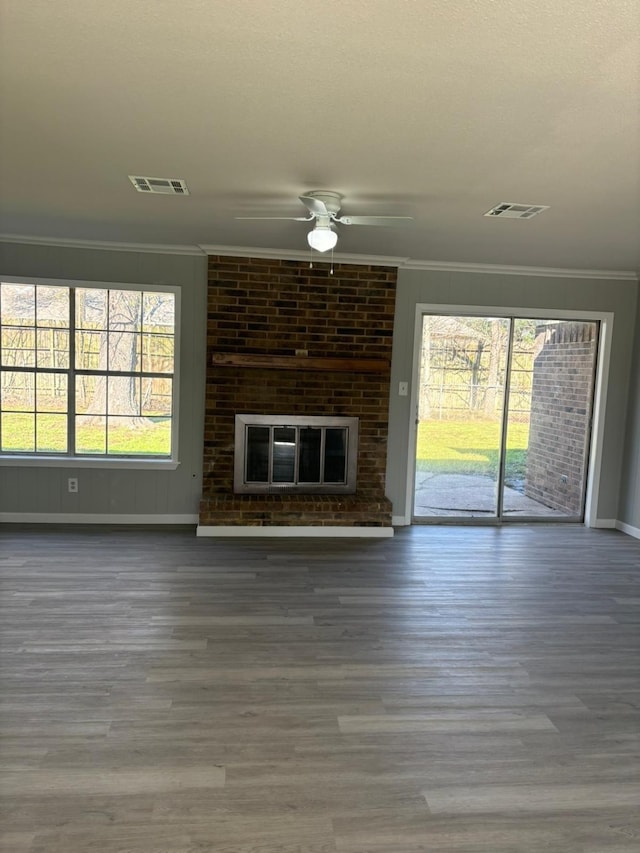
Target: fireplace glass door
[[310, 454], [295, 453]]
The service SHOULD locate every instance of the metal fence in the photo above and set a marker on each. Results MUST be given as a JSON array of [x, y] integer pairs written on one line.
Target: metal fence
[[457, 385]]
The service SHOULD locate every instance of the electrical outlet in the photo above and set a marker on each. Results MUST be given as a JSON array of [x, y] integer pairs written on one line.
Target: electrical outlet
[[72, 484]]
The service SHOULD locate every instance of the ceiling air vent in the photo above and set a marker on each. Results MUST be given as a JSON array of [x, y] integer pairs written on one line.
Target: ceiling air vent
[[508, 210], [162, 186]]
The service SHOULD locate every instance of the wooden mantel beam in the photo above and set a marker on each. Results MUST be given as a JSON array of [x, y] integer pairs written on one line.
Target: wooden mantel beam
[[301, 362]]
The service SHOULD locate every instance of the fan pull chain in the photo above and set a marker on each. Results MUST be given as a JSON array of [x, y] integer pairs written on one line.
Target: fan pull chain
[[331, 270]]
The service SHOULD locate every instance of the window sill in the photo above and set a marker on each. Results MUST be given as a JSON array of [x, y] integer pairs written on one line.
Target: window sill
[[85, 462]]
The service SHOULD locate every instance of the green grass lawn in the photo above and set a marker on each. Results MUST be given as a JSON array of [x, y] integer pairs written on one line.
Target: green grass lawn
[[150, 439], [471, 447]]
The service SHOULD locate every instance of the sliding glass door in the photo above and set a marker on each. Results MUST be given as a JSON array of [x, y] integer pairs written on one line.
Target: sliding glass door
[[461, 400], [503, 418]]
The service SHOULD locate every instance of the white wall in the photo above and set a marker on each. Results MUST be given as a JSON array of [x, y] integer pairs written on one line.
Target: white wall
[[494, 291], [109, 493], [629, 512]]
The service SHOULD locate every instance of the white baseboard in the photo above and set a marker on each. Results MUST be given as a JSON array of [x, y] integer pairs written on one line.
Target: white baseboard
[[284, 531], [609, 523], [400, 521], [628, 528], [93, 518]]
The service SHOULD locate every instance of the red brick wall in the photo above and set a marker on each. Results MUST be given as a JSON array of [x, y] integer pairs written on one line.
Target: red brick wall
[[275, 307], [561, 400]]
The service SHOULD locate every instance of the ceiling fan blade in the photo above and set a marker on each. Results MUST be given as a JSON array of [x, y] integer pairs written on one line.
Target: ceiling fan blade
[[289, 218], [374, 220], [317, 207]]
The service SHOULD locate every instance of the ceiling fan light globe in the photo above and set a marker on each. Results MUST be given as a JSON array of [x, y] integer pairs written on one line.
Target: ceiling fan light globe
[[322, 238]]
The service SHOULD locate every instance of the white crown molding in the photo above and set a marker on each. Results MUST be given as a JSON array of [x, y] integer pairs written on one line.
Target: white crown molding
[[301, 255], [105, 245], [505, 269], [339, 258]]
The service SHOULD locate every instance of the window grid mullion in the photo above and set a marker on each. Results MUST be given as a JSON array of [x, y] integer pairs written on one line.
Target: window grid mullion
[[323, 444], [35, 372], [106, 384], [20, 368], [270, 463], [143, 375], [296, 455], [71, 382]]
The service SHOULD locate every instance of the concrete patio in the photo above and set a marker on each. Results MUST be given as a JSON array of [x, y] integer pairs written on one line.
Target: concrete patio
[[471, 496]]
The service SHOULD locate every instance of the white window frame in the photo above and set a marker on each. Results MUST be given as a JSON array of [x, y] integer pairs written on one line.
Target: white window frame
[[41, 460]]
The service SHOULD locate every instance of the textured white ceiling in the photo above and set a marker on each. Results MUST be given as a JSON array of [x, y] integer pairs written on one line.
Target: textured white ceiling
[[436, 110]]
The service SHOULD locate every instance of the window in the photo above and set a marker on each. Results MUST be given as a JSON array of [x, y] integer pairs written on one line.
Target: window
[[87, 371]]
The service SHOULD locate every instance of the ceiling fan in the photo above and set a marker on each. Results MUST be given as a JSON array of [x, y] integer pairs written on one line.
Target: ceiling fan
[[324, 207]]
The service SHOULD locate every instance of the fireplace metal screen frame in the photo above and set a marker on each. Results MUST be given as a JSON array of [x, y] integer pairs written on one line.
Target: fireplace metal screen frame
[[244, 421]]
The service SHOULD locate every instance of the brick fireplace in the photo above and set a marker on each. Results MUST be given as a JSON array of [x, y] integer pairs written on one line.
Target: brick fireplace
[[287, 339]]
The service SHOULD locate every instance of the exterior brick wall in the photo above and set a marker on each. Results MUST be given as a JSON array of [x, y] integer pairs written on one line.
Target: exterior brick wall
[[560, 414], [278, 307]]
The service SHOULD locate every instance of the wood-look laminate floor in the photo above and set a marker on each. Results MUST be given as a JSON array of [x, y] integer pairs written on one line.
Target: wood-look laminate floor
[[453, 689]]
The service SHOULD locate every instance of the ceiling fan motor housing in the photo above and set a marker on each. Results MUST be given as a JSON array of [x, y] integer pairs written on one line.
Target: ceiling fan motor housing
[[331, 200]]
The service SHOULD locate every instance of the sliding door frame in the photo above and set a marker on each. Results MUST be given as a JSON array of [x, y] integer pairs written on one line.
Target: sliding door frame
[[601, 379]]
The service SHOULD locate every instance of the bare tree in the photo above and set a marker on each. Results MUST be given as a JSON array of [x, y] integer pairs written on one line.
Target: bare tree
[[496, 349], [118, 351]]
